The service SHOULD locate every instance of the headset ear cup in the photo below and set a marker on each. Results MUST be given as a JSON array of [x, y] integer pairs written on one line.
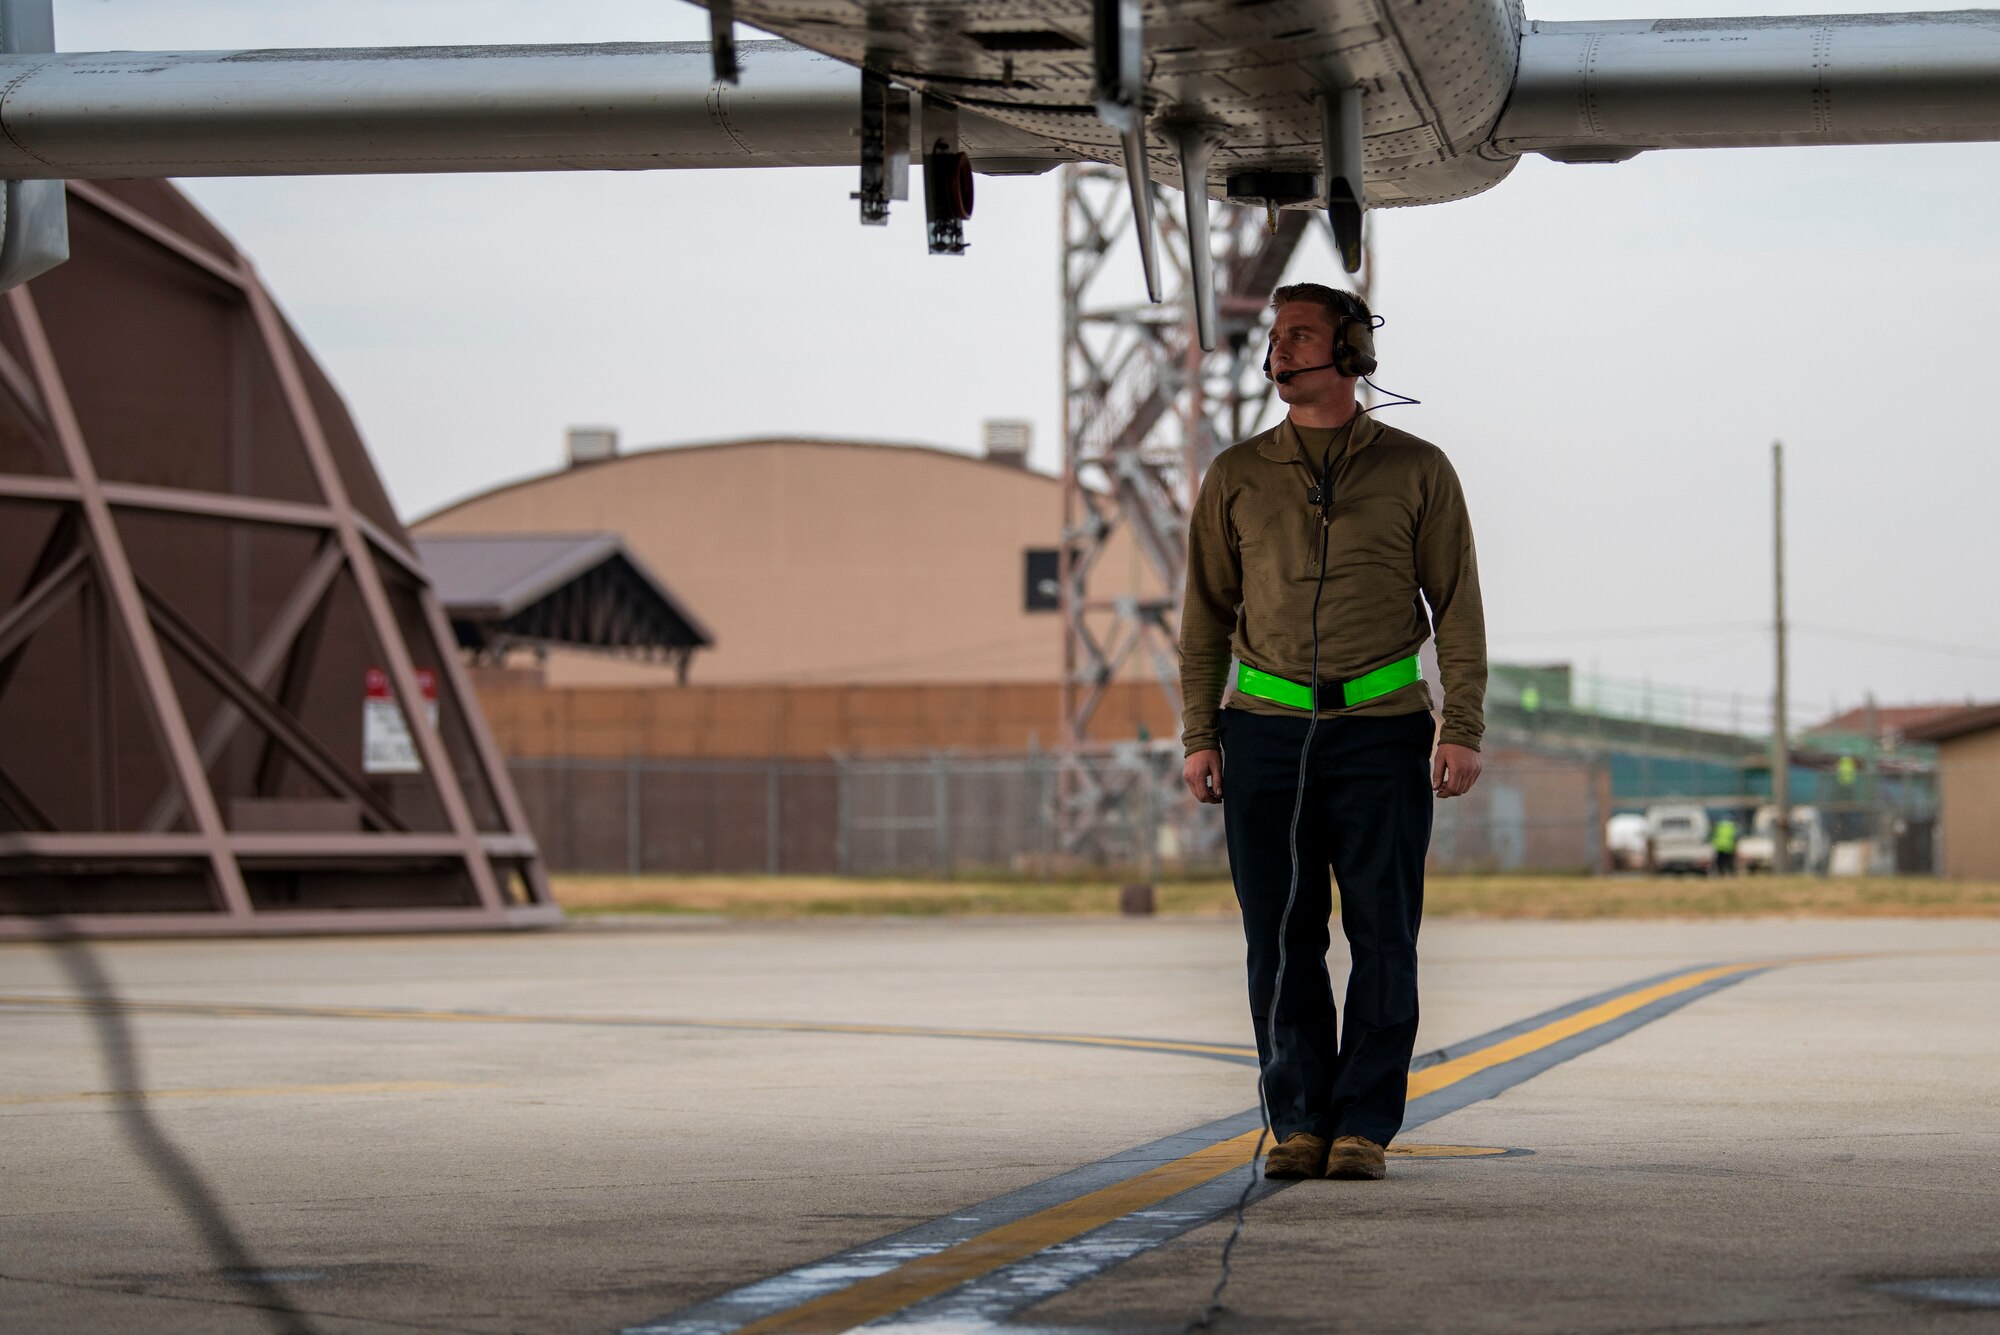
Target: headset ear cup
[[1267, 366], [1356, 348]]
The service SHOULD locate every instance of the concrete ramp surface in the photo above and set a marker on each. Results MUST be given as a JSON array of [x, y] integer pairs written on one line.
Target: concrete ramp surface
[[973, 1126]]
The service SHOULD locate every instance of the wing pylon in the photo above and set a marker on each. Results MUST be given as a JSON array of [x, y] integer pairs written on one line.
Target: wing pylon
[[1118, 58], [1194, 143]]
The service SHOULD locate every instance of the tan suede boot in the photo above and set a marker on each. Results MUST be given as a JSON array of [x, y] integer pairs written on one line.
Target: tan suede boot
[[1355, 1157], [1302, 1155]]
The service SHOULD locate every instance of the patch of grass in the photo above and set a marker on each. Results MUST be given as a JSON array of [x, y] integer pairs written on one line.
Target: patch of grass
[[1698, 897], [815, 896], [1530, 897]]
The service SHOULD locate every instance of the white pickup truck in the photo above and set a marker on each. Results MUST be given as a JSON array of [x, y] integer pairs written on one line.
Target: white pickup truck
[[1677, 839], [1809, 847]]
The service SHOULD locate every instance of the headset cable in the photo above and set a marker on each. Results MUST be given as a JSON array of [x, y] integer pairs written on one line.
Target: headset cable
[[1207, 1318]]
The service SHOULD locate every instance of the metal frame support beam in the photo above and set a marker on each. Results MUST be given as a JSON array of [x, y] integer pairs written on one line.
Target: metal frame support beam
[[374, 597], [488, 751], [84, 555], [114, 574], [276, 721], [35, 606], [277, 646], [1146, 408]]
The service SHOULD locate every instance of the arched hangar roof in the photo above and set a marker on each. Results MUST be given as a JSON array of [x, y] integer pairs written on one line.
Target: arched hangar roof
[[637, 461], [824, 561]]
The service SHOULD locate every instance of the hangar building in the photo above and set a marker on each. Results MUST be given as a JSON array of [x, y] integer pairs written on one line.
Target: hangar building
[[823, 561], [1968, 742]]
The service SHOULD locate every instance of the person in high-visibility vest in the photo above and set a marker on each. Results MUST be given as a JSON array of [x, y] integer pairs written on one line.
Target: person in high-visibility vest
[[1313, 551], [1724, 843]]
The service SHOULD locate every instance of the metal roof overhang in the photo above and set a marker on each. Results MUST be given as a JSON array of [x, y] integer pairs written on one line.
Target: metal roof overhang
[[578, 591]]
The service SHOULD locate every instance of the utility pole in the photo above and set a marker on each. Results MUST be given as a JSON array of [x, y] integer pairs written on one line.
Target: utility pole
[[1781, 742]]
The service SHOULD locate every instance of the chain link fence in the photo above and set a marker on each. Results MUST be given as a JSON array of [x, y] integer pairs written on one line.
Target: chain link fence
[[957, 815]]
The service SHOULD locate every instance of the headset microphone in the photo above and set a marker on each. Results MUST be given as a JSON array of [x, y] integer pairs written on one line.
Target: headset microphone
[[1286, 377]]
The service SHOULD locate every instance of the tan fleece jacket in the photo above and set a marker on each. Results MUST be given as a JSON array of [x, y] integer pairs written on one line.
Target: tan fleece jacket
[[1399, 529]]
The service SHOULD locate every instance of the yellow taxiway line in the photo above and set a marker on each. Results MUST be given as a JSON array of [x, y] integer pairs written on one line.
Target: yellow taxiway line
[[927, 1276], [1433, 1078]]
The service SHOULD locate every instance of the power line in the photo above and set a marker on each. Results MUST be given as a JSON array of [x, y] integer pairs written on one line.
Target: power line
[[1640, 632], [1696, 629], [1900, 641]]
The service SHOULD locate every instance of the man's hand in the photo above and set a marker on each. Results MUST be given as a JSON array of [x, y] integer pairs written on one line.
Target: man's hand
[[1203, 775], [1454, 769]]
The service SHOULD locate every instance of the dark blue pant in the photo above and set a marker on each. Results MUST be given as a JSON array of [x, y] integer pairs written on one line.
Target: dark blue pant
[[1367, 818]]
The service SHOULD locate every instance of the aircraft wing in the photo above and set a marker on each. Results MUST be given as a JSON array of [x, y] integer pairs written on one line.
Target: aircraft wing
[[629, 106], [1337, 104], [1452, 93], [1602, 92]]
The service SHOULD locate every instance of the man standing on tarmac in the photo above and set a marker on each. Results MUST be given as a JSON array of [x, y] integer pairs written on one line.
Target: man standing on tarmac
[[1334, 520]]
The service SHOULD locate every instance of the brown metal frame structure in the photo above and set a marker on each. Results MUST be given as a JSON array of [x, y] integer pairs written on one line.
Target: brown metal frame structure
[[86, 557], [1145, 411]]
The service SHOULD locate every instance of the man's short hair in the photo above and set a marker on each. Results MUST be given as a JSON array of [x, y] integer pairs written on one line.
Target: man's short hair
[[1339, 305]]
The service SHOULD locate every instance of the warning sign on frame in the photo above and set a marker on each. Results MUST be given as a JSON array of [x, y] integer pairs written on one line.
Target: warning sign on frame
[[386, 744]]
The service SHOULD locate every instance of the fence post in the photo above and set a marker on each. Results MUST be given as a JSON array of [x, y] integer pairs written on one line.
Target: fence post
[[843, 841], [633, 832], [773, 834], [941, 809], [1593, 834], [1048, 816], [569, 813]]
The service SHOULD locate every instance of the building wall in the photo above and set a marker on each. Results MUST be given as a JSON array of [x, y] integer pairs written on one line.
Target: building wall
[[798, 722], [1969, 801], [820, 562], [1532, 810]]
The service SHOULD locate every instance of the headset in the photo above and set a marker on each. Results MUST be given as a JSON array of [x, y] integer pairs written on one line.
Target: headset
[[1353, 341]]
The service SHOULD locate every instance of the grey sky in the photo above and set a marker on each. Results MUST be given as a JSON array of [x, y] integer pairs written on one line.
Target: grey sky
[[1606, 352]]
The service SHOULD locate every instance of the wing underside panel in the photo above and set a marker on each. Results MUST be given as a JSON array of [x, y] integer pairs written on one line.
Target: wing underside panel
[[1599, 92], [1434, 73]]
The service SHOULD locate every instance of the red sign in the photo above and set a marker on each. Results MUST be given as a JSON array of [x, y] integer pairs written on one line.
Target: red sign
[[386, 745], [378, 684]]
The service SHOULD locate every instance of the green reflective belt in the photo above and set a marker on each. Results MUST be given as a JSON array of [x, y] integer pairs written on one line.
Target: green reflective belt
[[1369, 685]]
